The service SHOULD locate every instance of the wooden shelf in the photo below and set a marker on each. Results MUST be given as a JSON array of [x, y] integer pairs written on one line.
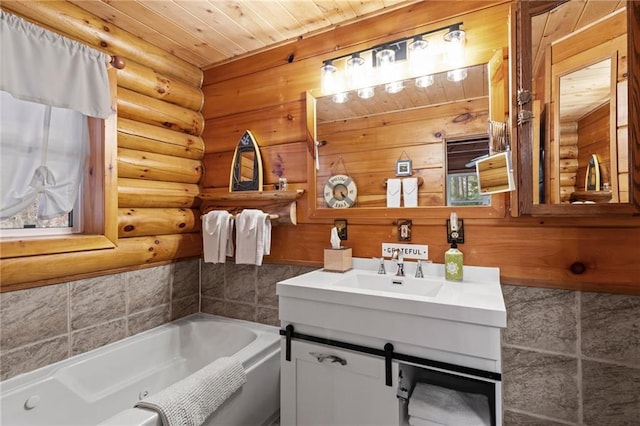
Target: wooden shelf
[[240, 196], [279, 203]]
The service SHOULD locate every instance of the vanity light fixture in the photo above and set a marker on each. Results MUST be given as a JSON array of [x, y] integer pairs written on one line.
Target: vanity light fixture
[[385, 58]]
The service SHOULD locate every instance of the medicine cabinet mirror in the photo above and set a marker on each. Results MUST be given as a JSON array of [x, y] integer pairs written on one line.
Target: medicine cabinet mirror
[[365, 138], [579, 145]]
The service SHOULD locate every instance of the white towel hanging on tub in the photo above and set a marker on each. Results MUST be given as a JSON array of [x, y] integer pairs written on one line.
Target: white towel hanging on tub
[[217, 241], [253, 236], [191, 400]]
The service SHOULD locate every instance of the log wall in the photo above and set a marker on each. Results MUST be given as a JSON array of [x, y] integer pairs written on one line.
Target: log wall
[[547, 252], [159, 161]]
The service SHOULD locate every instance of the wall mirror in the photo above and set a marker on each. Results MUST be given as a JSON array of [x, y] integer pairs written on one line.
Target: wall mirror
[[579, 153], [364, 138], [246, 165]]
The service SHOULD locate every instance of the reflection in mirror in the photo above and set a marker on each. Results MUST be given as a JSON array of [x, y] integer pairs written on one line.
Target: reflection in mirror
[[370, 135], [579, 60], [462, 179], [246, 166]]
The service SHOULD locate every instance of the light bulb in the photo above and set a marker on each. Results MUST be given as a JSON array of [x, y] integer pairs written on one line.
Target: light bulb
[[385, 60], [340, 98], [355, 67], [328, 77], [394, 87], [419, 56], [366, 92], [455, 49], [424, 81], [457, 74]]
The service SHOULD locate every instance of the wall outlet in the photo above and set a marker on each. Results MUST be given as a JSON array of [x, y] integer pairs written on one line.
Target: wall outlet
[[457, 236], [404, 230]]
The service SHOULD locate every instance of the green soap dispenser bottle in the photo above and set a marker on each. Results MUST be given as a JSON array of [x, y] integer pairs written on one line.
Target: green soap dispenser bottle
[[453, 263]]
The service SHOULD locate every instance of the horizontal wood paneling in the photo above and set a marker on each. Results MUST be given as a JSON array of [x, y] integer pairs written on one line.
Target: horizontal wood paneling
[[146, 137], [271, 126], [24, 272], [137, 222], [138, 107], [528, 250], [151, 193], [151, 166]]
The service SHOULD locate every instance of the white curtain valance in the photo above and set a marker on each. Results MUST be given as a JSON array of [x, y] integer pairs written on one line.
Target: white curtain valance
[[41, 66]]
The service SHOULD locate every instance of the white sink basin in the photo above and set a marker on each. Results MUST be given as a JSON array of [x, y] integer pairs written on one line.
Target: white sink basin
[[392, 284]]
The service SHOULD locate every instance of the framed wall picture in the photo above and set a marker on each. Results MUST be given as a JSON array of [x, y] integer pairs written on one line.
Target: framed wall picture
[[403, 168]]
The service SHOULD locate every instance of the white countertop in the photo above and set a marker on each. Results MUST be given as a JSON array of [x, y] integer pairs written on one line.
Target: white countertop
[[477, 299]]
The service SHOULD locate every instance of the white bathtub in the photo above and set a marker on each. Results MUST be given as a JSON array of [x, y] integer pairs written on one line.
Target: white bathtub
[[102, 386]]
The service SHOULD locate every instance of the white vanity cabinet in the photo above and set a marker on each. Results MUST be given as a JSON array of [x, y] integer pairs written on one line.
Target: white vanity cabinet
[[331, 386], [347, 338]]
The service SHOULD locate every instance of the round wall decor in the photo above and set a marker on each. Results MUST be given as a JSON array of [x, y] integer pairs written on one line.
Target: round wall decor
[[340, 192]]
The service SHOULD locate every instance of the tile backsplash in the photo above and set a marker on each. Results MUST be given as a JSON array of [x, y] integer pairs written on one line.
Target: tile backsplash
[[42, 325], [569, 358]]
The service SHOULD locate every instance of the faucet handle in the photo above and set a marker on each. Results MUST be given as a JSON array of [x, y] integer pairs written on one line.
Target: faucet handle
[[419, 273], [381, 269]]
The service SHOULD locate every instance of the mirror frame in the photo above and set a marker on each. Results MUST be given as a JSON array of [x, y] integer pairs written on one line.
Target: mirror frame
[[524, 132], [496, 210]]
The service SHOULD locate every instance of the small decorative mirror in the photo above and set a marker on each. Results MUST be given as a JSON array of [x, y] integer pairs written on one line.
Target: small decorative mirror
[[495, 174], [246, 166]]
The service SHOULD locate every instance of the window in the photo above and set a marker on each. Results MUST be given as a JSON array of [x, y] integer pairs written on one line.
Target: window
[[44, 165]]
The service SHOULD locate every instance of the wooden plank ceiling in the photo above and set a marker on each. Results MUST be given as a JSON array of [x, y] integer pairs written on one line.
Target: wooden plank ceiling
[[206, 33]]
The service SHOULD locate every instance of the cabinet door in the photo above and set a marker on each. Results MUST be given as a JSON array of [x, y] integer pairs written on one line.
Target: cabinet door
[[322, 385]]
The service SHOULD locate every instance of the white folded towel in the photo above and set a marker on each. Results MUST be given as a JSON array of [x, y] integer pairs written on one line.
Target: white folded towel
[[448, 406], [410, 192], [191, 400], [253, 236], [217, 228], [393, 192], [417, 421]]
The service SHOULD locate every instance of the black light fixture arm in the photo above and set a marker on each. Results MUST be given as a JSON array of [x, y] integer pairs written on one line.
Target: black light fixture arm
[[450, 28]]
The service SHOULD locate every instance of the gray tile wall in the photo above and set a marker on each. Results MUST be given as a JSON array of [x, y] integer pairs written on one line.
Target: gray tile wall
[[245, 292], [571, 358], [42, 325]]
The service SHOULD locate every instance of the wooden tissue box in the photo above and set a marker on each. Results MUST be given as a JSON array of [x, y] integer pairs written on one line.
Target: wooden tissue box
[[338, 260]]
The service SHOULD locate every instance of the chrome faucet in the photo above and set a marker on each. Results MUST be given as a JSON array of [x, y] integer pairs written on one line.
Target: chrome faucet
[[398, 257], [419, 273]]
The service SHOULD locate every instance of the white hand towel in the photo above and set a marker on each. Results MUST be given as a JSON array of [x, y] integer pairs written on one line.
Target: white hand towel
[[410, 192], [253, 236], [215, 234], [449, 407], [191, 400], [393, 192], [417, 421]]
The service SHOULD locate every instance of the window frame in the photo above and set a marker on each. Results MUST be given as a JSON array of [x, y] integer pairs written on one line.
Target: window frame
[[100, 201]]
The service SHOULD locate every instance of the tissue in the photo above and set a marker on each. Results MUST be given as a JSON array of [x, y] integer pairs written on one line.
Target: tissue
[[335, 239]]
